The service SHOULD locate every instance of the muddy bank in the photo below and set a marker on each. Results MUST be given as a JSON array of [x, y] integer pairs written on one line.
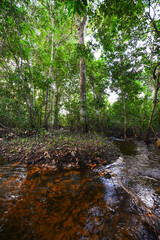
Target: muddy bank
[[58, 150]]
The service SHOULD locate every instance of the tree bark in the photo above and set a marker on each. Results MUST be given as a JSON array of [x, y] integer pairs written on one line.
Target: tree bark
[[83, 106]]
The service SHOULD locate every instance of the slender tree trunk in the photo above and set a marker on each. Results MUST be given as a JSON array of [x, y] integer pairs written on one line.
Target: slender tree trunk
[[51, 118], [48, 85], [52, 104], [148, 86], [151, 116], [46, 107], [157, 86], [33, 90], [145, 104], [125, 117], [27, 99], [56, 106], [83, 106]]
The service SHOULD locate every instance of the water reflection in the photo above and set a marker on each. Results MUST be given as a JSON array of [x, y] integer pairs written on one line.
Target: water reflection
[[75, 205], [127, 148], [140, 173]]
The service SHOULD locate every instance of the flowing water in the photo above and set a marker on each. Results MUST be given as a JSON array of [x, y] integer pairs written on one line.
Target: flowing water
[[83, 204]]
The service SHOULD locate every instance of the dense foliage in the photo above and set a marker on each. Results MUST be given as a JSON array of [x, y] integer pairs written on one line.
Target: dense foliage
[[49, 76]]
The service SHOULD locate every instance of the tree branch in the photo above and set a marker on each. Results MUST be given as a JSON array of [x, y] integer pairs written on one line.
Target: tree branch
[[153, 22]]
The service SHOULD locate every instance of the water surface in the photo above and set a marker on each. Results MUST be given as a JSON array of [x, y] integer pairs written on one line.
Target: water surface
[[82, 204]]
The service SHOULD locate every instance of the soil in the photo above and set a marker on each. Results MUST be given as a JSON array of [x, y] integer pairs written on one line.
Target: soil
[[57, 150]]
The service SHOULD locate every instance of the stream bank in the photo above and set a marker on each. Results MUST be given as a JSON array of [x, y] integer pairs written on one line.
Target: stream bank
[[58, 150]]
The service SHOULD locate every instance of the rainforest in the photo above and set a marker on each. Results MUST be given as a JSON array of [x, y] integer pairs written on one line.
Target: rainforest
[[80, 119]]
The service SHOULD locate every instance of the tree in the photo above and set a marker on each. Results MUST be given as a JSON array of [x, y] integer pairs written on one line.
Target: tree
[[14, 28], [156, 77], [83, 107]]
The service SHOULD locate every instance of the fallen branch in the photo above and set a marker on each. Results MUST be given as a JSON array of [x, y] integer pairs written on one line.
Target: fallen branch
[[22, 158], [3, 126], [139, 201]]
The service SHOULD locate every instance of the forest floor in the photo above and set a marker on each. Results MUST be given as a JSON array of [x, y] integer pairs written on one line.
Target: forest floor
[[57, 150]]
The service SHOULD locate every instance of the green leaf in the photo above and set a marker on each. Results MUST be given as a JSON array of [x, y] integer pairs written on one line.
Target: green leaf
[[85, 2], [70, 7]]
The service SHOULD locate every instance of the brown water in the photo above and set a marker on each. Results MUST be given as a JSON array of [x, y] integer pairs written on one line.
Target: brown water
[[82, 204]]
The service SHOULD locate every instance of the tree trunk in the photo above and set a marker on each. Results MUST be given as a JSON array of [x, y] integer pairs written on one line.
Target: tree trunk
[[46, 107], [125, 117], [33, 89], [56, 106], [48, 85], [157, 86], [83, 107], [152, 113], [51, 120]]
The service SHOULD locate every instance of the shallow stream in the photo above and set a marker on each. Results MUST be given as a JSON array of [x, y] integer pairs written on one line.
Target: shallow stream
[[83, 204]]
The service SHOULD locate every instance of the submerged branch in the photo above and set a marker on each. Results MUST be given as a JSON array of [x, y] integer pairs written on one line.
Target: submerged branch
[[139, 201]]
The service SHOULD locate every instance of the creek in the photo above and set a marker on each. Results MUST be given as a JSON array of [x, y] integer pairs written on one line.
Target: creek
[[83, 204]]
